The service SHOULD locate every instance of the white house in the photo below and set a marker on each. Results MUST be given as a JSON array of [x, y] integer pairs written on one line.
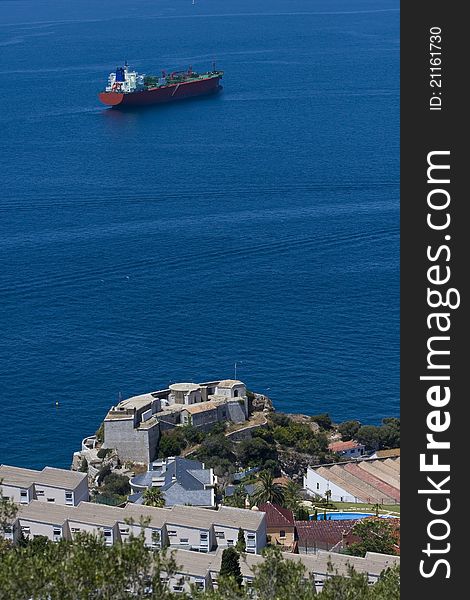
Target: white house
[[349, 449]]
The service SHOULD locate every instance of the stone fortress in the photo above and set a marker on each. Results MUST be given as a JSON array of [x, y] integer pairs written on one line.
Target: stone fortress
[[133, 427]]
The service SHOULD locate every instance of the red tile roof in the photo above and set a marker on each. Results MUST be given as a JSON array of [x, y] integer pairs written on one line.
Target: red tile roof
[[342, 446], [277, 516], [324, 533]]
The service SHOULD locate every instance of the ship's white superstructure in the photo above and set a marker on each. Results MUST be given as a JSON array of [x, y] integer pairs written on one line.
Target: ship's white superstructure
[[124, 80]]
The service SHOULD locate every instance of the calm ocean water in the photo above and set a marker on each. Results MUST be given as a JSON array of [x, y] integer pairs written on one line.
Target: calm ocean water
[[161, 245]]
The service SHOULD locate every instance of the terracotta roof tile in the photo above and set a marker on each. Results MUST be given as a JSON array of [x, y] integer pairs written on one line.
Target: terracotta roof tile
[[277, 516], [342, 446]]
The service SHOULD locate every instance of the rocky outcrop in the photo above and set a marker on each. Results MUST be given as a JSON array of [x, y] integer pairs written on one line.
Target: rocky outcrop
[[294, 464], [305, 420], [260, 402]]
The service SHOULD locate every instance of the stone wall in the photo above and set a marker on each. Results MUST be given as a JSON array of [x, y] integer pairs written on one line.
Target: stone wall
[[236, 411], [137, 445]]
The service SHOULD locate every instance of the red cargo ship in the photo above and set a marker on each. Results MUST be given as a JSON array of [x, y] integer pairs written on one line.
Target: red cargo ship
[[129, 88]]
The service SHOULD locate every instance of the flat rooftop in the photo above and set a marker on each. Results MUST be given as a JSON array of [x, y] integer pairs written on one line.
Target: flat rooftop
[[44, 512], [184, 387], [137, 402], [158, 516], [204, 518], [197, 563], [229, 383], [49, 476]]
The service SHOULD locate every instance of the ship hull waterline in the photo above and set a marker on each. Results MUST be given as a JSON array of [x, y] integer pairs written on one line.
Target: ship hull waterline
[[161, 95]]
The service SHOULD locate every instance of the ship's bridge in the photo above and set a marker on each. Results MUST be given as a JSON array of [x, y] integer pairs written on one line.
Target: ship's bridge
[[124, 80]]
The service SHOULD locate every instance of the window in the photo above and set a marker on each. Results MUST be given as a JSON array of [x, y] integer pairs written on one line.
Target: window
[[26, 529], [250, 536], [57, 531], [23, 497], [171, 532], [75, 529], [177, 588], [124, 530], [318, 486], [39, 493], [282, 533], [220, 535], [184, 541], [51, 499], [204, 536], [229, 542], [68, 498], [107, 533], [200, 587]]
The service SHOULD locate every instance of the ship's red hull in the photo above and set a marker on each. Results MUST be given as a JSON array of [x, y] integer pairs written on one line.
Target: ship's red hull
[[160, 95]]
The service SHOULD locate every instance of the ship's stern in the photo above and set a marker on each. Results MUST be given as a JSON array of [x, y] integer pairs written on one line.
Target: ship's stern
[[111, 98]]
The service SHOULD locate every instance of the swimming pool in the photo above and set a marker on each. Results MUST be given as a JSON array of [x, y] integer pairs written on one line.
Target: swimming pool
[[342, 516]]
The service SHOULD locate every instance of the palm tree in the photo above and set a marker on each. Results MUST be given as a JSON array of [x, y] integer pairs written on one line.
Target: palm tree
[[377, 507], [153, 497], [292, 497], [267, 490]]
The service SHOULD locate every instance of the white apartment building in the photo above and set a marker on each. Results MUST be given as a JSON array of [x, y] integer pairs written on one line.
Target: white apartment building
[[185, 527], [51, 485]]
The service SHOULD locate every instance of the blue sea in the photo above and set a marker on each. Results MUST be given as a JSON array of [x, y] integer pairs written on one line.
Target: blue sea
[[257, 229]]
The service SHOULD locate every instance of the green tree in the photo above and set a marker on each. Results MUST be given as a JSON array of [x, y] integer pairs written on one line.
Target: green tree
[[390, 433], [172, 443], [230, 566], [376, 534], [354, 587], [279, 419], [280, 579], [153, 496], [349, 429], [237, 499], [104, 472], [369, 435], [100, 434], [241, 543], [267, 490], [376, 507], [8, 510], [85, 568], [104, 452], [388, 586], [292, 497], [323, 420], [116, 484], [265, 433], [273, 467], [217, 451], [256, 451], [192, 434]]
